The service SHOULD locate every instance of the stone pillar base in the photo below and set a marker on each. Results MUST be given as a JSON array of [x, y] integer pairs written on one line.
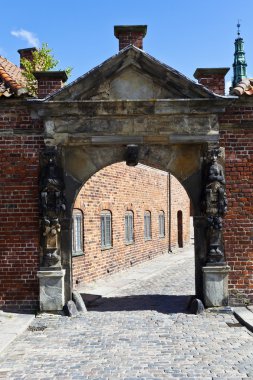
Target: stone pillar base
[[216, 285], [51, 289]]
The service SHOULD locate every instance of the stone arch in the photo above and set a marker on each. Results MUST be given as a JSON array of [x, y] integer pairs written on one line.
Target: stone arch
[[183, 161]]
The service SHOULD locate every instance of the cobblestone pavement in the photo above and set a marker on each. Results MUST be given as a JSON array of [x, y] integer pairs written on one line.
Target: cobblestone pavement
[[141, 331]]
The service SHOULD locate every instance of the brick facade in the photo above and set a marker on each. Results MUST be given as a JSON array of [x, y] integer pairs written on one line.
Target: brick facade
[[20, 144], [49, 82], [130, 35], [119, 188], [212, 78], [179, 202], [237, 138]]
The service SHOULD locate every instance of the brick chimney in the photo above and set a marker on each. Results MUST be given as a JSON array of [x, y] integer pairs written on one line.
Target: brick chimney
[[49, 81], [212, 78], [26, 53], [130, 35]]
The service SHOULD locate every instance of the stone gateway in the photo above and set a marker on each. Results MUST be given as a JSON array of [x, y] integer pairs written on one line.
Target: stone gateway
[[134, 109]]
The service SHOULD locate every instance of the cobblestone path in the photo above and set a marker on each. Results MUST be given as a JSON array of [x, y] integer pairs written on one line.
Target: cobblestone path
[[139, 331]]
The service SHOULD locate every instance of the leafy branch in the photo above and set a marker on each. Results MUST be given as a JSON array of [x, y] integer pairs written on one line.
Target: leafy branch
[[43, 60]]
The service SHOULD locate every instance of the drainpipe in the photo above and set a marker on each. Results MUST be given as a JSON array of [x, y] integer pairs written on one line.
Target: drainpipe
[[169, 208]]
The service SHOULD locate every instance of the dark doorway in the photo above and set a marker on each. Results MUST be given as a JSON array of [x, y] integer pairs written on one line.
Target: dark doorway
[[180, 229]]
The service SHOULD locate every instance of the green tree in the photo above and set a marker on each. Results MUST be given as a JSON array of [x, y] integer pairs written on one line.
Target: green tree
[[43, 60]]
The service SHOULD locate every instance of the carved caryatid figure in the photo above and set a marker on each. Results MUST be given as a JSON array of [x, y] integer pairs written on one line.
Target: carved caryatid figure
[[52, 208], [51, 230], [215, 206], [52, 200], [216, 202]]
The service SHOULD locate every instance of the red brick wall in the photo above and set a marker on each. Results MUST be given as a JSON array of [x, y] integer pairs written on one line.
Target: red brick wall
[[214, 82], [19, 224], [48, 86], [237, 137], [134, 38], [119, 188], [179, 202]]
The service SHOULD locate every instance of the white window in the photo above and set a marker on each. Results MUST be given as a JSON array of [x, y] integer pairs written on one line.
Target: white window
[[106, 229], [161, 224], [147, 225], [129, 227], [77, 232]]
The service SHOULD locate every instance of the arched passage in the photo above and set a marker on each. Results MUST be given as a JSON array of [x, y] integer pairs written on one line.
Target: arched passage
[[82, 162], [129, 216], [79, 163]]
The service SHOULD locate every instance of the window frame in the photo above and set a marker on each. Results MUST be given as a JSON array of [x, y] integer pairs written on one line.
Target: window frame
[[77, 233], [161, 223], [106, 239], [147, 226], [129, 227]]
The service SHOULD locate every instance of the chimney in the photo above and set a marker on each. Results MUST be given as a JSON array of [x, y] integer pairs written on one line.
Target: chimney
[[130, 35], [26, 53], [49, 82], [212, 78]]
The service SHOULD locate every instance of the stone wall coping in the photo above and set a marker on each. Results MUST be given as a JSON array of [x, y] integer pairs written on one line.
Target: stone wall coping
[[200, 71], [119, 29], [147, 108]]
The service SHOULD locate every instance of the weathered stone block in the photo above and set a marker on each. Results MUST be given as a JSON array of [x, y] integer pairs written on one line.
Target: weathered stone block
[[80, 305], [216, 285], [51, 290]]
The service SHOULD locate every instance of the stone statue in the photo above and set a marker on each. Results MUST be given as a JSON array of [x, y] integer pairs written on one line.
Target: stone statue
[[51, 230], [52, 207], [52, 260], [51, 184], [215, 202]]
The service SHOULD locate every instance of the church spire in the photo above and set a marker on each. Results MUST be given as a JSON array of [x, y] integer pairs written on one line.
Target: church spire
[[239, 65]]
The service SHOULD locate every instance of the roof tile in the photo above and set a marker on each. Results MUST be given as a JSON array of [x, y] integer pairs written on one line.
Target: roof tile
[[244, 87], [11, 78]]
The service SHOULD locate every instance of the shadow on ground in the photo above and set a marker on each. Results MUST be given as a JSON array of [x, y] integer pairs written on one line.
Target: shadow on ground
[[166, 304]]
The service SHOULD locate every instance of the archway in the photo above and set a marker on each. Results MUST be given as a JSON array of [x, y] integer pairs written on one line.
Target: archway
[[187, 154], [83, 162], [129, 216]]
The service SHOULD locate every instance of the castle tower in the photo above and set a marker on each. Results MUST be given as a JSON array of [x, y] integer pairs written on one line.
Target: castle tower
[[239, 65]]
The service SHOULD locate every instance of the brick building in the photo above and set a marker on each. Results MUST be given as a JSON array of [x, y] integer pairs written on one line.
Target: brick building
[[131, 99], [137, 219]]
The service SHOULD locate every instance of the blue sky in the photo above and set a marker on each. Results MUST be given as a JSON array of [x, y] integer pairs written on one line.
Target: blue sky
[[184, 34]]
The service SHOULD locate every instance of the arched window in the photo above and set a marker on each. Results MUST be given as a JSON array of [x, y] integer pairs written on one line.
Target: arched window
[[161, 223], [106, 229], [129, 227], [77, 232], [147, 225]]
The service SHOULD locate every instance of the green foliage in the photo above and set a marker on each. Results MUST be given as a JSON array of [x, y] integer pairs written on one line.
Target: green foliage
[[43, 60]]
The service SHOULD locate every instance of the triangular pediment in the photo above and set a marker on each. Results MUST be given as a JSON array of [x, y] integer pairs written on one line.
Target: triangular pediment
[[130, 75]]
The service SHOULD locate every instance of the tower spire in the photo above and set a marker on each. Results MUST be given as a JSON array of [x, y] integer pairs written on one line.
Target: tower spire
[[239, 65], [238, 28]]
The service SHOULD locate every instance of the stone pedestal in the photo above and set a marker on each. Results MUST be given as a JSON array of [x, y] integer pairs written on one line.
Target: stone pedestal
[[216, 285], [51, 289]]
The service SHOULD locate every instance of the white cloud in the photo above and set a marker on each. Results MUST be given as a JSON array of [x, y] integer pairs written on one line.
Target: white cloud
[[228, 84], [27, 36]]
